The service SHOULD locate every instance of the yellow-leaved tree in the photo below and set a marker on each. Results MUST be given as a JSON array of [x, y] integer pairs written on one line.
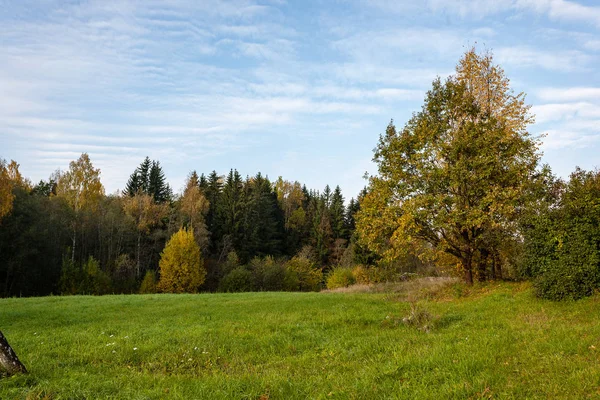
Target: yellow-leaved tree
[[181, 267]]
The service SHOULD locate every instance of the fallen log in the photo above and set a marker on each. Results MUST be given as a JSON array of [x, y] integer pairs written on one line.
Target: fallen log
[[9, 362]]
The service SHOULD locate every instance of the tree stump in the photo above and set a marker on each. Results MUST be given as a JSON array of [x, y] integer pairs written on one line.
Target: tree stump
[[9, 362]]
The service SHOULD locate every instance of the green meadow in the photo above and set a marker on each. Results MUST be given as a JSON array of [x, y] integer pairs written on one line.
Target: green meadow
[[490, 341]]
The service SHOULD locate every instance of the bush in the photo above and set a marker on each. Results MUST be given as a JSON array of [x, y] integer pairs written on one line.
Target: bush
[[309, 277], [363, 275], [148, 285], [340, 277], [575, 273], [238, 280], [562, 240], [269, 275]]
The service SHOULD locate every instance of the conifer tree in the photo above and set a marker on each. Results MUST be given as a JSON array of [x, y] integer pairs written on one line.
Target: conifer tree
[[337, 211]]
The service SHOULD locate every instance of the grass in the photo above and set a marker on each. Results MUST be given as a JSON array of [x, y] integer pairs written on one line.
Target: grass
[[492, 341]]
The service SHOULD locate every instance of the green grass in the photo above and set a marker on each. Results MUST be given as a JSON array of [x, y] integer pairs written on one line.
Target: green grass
[[497, 342]]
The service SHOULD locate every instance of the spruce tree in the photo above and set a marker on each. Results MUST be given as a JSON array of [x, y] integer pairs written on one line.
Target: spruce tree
[[337, 211]]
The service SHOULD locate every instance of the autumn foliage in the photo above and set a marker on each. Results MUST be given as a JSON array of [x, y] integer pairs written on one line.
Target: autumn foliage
[[181, 267]]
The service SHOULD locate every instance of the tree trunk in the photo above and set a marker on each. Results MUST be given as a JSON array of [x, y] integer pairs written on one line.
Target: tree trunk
[[498, 264], [468, 266], [139, 245], [482, 265], [8, 359]]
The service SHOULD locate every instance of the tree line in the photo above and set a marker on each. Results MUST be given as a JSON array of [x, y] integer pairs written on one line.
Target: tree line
[[65, 235]]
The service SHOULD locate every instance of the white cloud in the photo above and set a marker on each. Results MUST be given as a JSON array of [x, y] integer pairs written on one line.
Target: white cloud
[[569, 94], [557, 139], [565, 111], [564, 61]]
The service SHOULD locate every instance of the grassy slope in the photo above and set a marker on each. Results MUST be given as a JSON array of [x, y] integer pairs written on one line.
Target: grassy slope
[[498, 342]]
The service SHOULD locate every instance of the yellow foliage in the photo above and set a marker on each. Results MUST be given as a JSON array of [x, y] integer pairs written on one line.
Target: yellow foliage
[[181, 267]]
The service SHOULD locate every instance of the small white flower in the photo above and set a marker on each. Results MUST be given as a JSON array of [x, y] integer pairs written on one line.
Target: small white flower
[[135, 348], [195, 348], [114, 351], [111, 335]]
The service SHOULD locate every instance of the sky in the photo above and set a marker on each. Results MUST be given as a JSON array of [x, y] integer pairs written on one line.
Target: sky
[[299, 89]]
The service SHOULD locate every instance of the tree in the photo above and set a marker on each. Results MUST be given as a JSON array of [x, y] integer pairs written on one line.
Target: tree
[[460, 168], [262, 222], [149, 179], [8, 359], [181, 268], [146, 214], [10, 177], [80, 186], [194, 207], [337, 210]]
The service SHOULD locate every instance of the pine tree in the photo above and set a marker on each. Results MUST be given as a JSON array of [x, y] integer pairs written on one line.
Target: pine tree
[[149, 179], [262, 225], [337, 211], [157, 186], [327, 196], [230, 206]]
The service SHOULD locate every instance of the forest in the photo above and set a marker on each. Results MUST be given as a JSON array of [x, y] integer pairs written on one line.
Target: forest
[[460, 190]]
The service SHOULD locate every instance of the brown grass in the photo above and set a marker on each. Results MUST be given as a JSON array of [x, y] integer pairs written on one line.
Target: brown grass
[[414, 289]]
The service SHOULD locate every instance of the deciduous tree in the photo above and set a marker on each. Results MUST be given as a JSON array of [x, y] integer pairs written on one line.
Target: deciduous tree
[[181, 267], [459, 168]]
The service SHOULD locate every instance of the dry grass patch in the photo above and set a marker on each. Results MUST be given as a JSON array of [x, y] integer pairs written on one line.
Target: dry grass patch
[[411, 290]]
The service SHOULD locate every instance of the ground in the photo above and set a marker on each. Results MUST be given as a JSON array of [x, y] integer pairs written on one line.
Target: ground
[[490, 341]]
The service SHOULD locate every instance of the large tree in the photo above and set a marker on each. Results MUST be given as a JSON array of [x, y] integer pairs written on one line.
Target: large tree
[[458, 170]]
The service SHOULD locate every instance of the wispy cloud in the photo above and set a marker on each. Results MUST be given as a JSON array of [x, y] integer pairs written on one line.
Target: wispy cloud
[[569, 94]]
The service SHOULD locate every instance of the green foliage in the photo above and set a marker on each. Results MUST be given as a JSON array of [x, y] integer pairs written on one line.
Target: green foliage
[[302, 270], [340, 277], [181, 267], [148, 285], [96, 280], [126, 233], [238, 280], [149, 179], [87, 278], [268, 274], [459, 169], [562, 239]]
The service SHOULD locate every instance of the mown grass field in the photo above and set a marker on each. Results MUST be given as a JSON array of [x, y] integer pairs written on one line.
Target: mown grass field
[[497, 341]]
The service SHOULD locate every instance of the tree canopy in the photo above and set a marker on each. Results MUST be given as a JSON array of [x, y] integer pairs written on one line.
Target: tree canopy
[[458, 170]]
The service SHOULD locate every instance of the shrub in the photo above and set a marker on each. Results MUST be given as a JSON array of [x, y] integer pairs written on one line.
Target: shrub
[[148, 283], [238, 280], [340, 277], [362, 275], [269, 275], [309, 277], [181, 268], [562, 240]]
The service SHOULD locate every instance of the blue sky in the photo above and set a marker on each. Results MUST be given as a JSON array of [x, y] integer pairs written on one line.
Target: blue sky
[[300, 89]]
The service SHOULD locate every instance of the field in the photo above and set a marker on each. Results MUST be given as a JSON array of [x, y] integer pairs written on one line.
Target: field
[[492, 341]]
